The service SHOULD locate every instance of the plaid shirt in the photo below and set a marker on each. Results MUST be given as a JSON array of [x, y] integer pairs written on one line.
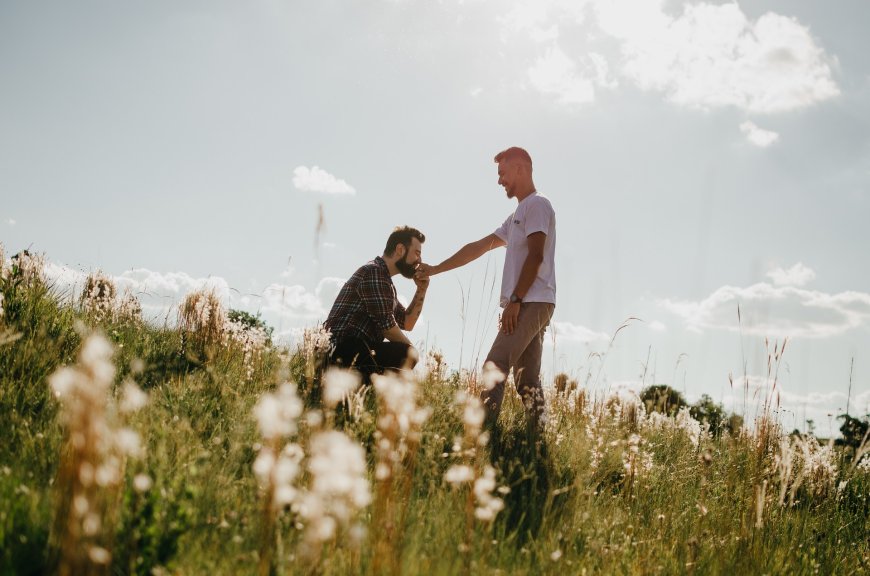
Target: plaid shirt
[[366, 306]]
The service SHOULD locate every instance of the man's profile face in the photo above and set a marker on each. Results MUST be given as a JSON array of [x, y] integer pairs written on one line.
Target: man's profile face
[[407, 265], [508, 176]]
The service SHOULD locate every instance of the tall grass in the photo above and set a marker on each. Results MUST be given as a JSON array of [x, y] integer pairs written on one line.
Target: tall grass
[[394, 478]]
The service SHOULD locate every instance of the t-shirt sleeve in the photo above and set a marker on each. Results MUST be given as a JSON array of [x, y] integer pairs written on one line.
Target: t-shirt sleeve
[[538, 218], [502, 231], [376, 294]]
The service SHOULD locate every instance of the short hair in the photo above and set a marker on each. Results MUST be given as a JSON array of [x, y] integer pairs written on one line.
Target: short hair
[[402, 235], [514, 153]]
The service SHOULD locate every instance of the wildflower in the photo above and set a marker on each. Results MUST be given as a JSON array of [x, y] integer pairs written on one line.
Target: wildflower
[[142, 483], [277, 413], [487, 504], [93, 465], [459, 474], [251, 340], [338, 384], [132, 397], [492, 376], [339, 487]]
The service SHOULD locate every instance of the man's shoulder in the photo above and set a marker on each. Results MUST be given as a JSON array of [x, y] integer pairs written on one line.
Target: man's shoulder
[[370, 269], [538, 202]]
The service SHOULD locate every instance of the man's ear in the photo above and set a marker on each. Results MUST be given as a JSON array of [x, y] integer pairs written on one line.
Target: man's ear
[[403, 253]]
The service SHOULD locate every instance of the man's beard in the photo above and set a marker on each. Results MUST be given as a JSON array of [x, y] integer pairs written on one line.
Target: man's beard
[[405, 269]]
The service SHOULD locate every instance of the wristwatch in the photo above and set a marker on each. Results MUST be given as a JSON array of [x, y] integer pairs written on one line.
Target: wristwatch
[[516, 299]]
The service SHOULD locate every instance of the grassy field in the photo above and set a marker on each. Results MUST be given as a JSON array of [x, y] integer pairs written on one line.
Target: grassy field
[[200, 448]]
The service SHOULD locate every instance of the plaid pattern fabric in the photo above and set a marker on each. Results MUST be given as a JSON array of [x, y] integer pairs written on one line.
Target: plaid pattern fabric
[[366, 306]]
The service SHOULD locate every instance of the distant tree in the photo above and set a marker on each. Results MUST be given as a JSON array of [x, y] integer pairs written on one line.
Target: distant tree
[[854, 431], [248, 320], [706, 410], [662, 398]]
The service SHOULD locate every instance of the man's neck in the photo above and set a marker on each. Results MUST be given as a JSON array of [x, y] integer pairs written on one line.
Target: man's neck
[[526, 192]]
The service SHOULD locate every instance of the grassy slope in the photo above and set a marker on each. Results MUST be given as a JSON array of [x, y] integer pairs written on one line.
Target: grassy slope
[[202, 515]]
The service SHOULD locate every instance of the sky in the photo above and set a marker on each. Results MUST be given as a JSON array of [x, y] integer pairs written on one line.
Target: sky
[[700, 156]]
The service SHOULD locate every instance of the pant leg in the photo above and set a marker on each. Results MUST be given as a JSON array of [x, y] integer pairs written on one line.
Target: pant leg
[[394, 355], [354, 353], [527, 375], [507, 350]]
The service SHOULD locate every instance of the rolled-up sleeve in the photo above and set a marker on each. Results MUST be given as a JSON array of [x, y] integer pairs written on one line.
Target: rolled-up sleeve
[[376, 294]]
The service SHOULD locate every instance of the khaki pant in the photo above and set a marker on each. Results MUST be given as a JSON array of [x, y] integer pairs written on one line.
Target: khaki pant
[[520, 351]]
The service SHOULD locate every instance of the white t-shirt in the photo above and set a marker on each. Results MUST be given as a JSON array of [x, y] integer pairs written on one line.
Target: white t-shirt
[[533, 214]]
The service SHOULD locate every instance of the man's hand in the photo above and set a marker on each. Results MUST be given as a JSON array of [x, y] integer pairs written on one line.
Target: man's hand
[[421, 277], [509, 318], [424, 271]]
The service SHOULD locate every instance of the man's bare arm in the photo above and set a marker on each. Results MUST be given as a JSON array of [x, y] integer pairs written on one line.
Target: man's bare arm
[[412, 312], [466, 254], [395, 334]]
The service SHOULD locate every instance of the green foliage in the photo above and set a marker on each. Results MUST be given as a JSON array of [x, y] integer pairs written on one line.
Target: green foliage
[[251, 321], [662, 398], [854, 431], [705, 410]]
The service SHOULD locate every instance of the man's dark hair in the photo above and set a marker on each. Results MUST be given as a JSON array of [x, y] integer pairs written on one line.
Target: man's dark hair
[[402, 235]]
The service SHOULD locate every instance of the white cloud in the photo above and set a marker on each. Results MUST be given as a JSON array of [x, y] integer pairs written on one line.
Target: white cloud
[[775, 311], [797, 275], [566, 331], [657, 326], [291, 302], [316, 179], [11, 222], [708, 56], [555, 73], [713, 56], [174, 285], [758, 136]]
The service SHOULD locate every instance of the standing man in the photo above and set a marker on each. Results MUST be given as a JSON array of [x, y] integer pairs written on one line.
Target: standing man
[[366, 310], [528, 286]]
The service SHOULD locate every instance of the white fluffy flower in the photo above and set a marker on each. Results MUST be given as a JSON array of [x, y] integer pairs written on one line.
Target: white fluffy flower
[[338, 384], [132, 397], [459, 474], [339, 487], [277, 413]]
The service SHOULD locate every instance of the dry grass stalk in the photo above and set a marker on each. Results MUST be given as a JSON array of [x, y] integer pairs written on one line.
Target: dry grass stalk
[[202, 320], [398, 436], [480, 503], [277, 465], [93, 459]]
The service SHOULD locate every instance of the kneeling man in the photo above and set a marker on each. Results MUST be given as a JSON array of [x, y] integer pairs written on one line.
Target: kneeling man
[[367, 311]]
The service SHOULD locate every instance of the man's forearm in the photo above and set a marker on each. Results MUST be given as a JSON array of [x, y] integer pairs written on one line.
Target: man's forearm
[[412, 312], [528, 273], [395, 334], [468, 253]]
